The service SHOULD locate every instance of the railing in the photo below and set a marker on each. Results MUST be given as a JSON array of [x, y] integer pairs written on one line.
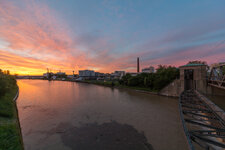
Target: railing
[[202, 125], [16, 96], [217, 76]]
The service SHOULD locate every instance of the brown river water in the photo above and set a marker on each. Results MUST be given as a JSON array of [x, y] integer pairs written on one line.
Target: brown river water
[[57, 115]]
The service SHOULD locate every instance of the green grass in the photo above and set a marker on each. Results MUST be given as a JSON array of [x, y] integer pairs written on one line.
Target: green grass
[[10, 137]]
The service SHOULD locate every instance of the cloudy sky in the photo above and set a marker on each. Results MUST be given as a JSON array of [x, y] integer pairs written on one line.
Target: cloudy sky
[[108, 35]]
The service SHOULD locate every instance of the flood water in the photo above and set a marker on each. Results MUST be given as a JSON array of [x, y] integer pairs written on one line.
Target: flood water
[[218, 100], [59, 115]]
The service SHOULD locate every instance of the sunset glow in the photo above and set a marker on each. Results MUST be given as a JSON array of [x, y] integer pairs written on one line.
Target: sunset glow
[[108, 35]]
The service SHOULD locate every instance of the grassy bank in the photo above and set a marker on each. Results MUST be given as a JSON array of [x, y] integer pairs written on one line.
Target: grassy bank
[[10, 136]]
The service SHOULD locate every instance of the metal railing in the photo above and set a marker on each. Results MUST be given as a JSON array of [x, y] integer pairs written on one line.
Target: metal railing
[[217, 76], [202, 126]]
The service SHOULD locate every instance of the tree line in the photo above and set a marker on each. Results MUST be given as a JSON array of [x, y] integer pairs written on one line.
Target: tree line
[[154, 81]]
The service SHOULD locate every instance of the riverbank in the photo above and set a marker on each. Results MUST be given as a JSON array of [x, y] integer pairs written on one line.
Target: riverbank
[[10, 133], [115, 84]]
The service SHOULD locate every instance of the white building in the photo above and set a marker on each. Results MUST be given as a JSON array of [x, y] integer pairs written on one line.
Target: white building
[[60, 73], [118, 74], [48, 75], [86, 73], [150, 69]]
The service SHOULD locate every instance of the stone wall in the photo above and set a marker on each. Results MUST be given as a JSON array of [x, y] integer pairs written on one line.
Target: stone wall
[[173, 89]]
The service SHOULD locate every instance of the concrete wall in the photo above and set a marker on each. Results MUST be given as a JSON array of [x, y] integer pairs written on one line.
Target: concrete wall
[[177, 86], [211, 90], [173, 89]]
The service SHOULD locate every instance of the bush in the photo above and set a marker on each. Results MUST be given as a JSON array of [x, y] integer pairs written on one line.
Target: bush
[[133, 81]]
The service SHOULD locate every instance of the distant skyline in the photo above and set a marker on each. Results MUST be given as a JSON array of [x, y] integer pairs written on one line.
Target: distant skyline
[[108, 35]]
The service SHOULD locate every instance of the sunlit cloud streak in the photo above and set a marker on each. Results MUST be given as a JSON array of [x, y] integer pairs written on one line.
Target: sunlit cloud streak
[[32, 29], [36, 37]]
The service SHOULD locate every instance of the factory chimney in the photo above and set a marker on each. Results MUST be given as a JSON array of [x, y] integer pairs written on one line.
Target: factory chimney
[[138, 65]]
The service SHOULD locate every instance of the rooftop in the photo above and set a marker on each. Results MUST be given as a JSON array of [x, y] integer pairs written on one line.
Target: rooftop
[[192, 65]]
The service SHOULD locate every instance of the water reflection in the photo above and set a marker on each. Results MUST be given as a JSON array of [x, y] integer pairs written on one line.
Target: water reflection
[[45, 105]]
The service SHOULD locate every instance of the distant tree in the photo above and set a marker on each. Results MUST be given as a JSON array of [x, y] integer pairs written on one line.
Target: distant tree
[[150, 80], [125, 79], [133, 81], [146, 81]]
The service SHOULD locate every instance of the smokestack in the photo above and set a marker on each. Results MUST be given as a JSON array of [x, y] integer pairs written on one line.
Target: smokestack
[[138, 65]]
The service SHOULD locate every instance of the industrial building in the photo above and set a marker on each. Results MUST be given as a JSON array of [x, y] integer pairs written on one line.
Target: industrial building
[[150, 69], [118, 74], [86, 73]]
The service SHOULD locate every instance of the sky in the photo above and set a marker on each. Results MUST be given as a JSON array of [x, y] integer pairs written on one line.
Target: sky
[[108, 35]]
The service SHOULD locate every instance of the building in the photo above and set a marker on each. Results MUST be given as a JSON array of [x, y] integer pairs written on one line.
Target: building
[[133, 74], [118, 74], [98, 74], [150, 69], [61, 73], [107, 76], [48, 75], [193, 76], [87, 74]]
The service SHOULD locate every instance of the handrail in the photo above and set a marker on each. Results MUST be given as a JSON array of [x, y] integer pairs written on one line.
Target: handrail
[[16, 96], [191, 147]]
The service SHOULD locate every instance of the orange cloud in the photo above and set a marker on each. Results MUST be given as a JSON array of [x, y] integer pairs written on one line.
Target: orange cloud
[[36, 40], [25, 65]]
